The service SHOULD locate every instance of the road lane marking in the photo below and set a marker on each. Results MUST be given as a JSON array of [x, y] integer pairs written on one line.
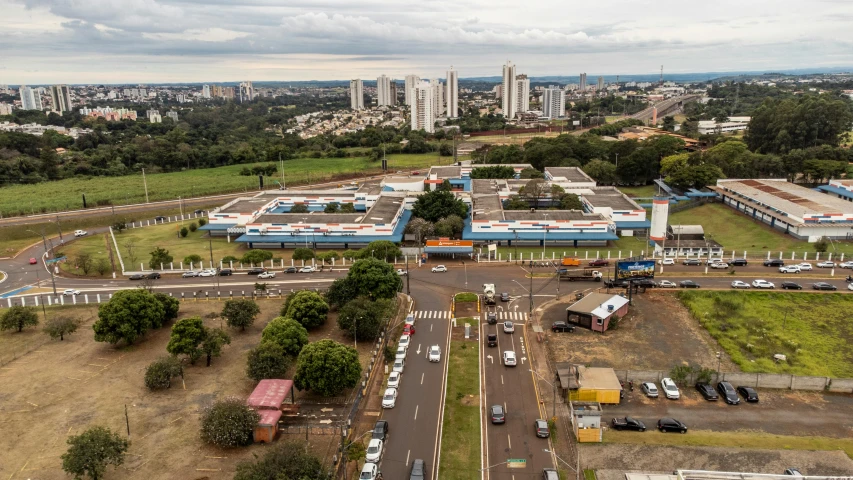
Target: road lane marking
[[430, 327], [416, 411], [422, 378], [508, 439], [502, 379], [407, 457]]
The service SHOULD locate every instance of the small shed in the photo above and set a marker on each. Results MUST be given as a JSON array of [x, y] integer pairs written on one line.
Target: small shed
[[267, 428], [270, 394], [586, 421], [595, 310], [595, 384]]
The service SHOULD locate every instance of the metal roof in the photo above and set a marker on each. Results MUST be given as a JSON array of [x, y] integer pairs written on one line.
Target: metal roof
[[270, 394]]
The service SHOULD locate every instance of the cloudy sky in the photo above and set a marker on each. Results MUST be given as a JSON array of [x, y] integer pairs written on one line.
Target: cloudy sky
[[128, 41]]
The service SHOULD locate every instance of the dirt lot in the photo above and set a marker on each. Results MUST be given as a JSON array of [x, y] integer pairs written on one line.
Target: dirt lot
[[61, 388], [657, 333]]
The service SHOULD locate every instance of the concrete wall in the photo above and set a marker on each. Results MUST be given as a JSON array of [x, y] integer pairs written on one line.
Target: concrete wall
[[844, 385], [757, 380]]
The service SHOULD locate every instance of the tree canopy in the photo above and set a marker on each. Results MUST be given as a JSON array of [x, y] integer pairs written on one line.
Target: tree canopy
[[364, 318], [435, 205], [267, 360], [374, 278], [289, 334], [90, 453], [493, 171], [240, 313], [18, 317], [327, 368], [128, 316], [228, 423], [284, 461], [779, 126], [187, 335], [308, 308]]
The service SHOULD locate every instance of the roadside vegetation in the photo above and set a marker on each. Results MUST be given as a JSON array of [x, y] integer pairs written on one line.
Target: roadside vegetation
[[460, 437]]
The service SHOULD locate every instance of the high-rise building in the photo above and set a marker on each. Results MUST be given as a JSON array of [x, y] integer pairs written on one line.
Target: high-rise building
[[600, 84], [216, 91], [205, 91], [30, 98], [509, 91], [154, 116], [522, 90], [173, 115], [384, 98], [411, 82], [583, 82], [60, 96], [247, 91], [6, 108], [554, 102], [393, 92], [423, 115], [356, 94], [452, 96], [437, 97]]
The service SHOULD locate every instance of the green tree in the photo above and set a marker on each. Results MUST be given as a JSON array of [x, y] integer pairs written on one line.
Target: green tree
[[192, 259], [420, 228], [90, 453], [184, 232], [267, 360], [187, 335], [516, 203], [374, 278], [347, 208], [18, 317], [534, 191], [240, 313], [160, 372], [171, 305], [256, 256], [820, 246], [780, 126], [602, 172], [531, 173], [299, 208], [228, 423], [493, 171], [327, 368], [444, 186], [363, 318], [668, 123], [332, 207], [303, 254], [383, 249], [159, 256], [341, 291], [193, 226], [284, 460], [202, 222], [308, 308], [127, 316], [214, 340], [60, 327], [102, 266], [327, 257], [450, 226], [435, 205], [287, 333], [570, 201], [84, 262]]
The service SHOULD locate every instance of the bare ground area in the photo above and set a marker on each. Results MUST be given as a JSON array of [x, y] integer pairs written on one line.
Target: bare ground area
[[62, 388]]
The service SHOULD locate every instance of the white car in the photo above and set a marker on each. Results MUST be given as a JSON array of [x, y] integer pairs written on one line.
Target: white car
[[398, 365], [439, 269], [401, 353], [509, 327], [509, 358], [306, 269], [410, 319], [719, 265], [805, 266], [669, 389], [826, 264], [850, 286], [71, 291], [207, 273], [790, 269], [389, 398], [369, 472], [402, 272], [405, 340], [762, 284], [740, 284], [666, 284], [191, 273], [667, 261], [80, 233], [394, 379], [434, 353], [266, 275], [847, 264], [712, 261], [374, 451]]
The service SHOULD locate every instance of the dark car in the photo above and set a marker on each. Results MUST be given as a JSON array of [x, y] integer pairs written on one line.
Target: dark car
[[504, 297], [628, 423], [225, 272], [793, 471], [616, 284], [562, 326], [599, 262], [739, 262], [728, 392], [492, 339], [496, 413], [380, 430], [671, 425], [153, 276], [290, 270], [550, 474], [491, 318], [645, 282], [748, 393], [691, 261], [199, 211], [688, 284], [707, 391], [541, 428], [159, 219], [136, 276], [418, 470], [823, 286], [776, 262], [790, 286], [256, 270]]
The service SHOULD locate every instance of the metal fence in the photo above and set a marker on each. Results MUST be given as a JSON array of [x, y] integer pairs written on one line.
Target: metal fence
[[782, 381]]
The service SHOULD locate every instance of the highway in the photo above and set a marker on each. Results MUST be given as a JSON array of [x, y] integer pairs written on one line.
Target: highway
[[662, 107]]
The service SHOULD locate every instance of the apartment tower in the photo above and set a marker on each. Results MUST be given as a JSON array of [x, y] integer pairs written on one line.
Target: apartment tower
[[356, 94], [509, 91], [422, 107], [452, 96], [411, 82]]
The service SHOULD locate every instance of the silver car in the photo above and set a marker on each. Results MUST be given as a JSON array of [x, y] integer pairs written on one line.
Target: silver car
[[509, 358]]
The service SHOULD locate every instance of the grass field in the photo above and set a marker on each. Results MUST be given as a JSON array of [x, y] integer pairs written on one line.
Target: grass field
[[460, 440], [641, 192], [625, 244], [812, 330]]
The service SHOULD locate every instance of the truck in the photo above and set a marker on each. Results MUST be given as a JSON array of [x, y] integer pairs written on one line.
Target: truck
[[489, 293], [570, 262], [580, 274]]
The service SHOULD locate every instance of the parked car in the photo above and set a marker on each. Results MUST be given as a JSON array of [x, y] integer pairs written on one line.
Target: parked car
[[267, 275], [599, 262], [207, 273], [645, 282], [824, 286], [550, 474], [226, 272], [850, 286], [389, 398], [290, 270], [408, 329], [666, 284], [492, 339], [670, 391], [153, 276], [199, 211], [650, 389], [763, 284], [80, 233], [256, 270], [380, 430], [491, 318], [402, 272], [136, 276], [738, 262], [790, 269], [509, 358], [418, 470], [691, 261], [728, 392], [434, 354], [399, 364], [671, 425], [394, 379], [496, 413], [790, 286], [306, 269], [748, 393], [562, 326], [805, 266], [190, 274], [628, 423], [504, 297], [33, 261], [70, 291], [370, 471], [159, 218], [847, 264], [688, 284], [401, 352], [410, 319], [509, 327], [740, 284], [439, 269], [719, 265], [405, 341], [712, 261], [793, 471], [541, 428], [776, 262], [825, 264], [667, 261], [374, 451], [707, 391]]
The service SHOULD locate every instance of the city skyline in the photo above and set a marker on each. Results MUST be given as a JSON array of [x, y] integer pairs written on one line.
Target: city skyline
[[162, 41]]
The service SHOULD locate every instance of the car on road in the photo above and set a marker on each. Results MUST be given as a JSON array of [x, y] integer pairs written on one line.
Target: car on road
[[847, 264], [599, 262], [850, 286], [776, 262], [670, 391], [738, 262], [370, 471], [825, 264], [226, 272], [707, 391], [650, 389], [439, 269], [562, 326], [492, 339], [667, 261], [496, 413], [80, 233], [509, 327], [306, 269], [394, 379], [666, 284], [671, 425], [824, 286], [70, 291], [692, 261], [719, 265], [491, 318], [374, 451], [805, 266], [380, 430], [728, 392], [790, 269], [763, 284], [748, 393], [550, 474], [207, 273], [541, 428], [410, 319], [33, 261], [688, 284], [712, 261], [389, 398], [405, 340], [159, 218], [256, 270], [408, 329], [190, 274], [290, 270], [509, 358], [418, 470], [153, 276], [740, 284], [136, 276], [434, 353], [402, 272], [628, 423], [199, 211], [790, 286], [399, 364], [401, 352], [504, 297], [266, 275], [793, 471]]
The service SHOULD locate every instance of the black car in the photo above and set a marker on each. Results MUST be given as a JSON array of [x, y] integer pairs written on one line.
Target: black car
[[492, 339], [136, 276], [199, 212], [225, 272], [290, 270], [738, 262], [628, 423], [748, 393], [491, 318], [616, 284], [791, 286], [707, 391], [691, 261], [418, 470], [688, 284], [645, 282], [153, 276], [728, 393], [496, 413], [504, 297], [824, 286], [159, 219], [671, 425], [562, 326], [256, 270], [380, 430], [776, 262]]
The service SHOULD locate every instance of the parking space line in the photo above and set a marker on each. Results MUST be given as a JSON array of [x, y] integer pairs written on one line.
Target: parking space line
[[422, 378], [416, 411]]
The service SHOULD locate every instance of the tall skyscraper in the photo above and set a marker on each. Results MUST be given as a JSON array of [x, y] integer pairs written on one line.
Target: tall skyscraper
[[356, 94], [60, 96], [600, 84], [509, 91], [522, 89], [205, 91], [30, 98], [554, 102], [452, 96], [411, 82], [583, 82], [247, 91], [423, 115], [437, 97], [393, 92], [384, 98]]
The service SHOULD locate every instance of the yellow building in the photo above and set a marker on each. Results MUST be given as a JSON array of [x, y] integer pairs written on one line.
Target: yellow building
[[589, 384]]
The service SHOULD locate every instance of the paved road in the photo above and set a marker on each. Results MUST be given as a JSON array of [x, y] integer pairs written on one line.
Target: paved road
[[662, 107]]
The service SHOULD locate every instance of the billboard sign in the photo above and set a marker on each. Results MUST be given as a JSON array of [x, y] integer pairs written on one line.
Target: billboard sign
[[635, 269]]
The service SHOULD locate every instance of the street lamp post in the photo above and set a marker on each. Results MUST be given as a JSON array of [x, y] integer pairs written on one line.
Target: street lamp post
[[554, 387], [44, 241], [576, 469], [465, 268], [719, 362]]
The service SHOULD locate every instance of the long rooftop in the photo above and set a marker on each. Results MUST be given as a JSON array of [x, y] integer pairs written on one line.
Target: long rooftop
[[787, 197], [572, 174], [551, 215]]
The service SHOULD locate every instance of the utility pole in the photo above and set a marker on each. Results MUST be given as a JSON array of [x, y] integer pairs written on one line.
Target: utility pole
[[408, 289], [59, 226], [281, 166], [145, 184], [530, 292]]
